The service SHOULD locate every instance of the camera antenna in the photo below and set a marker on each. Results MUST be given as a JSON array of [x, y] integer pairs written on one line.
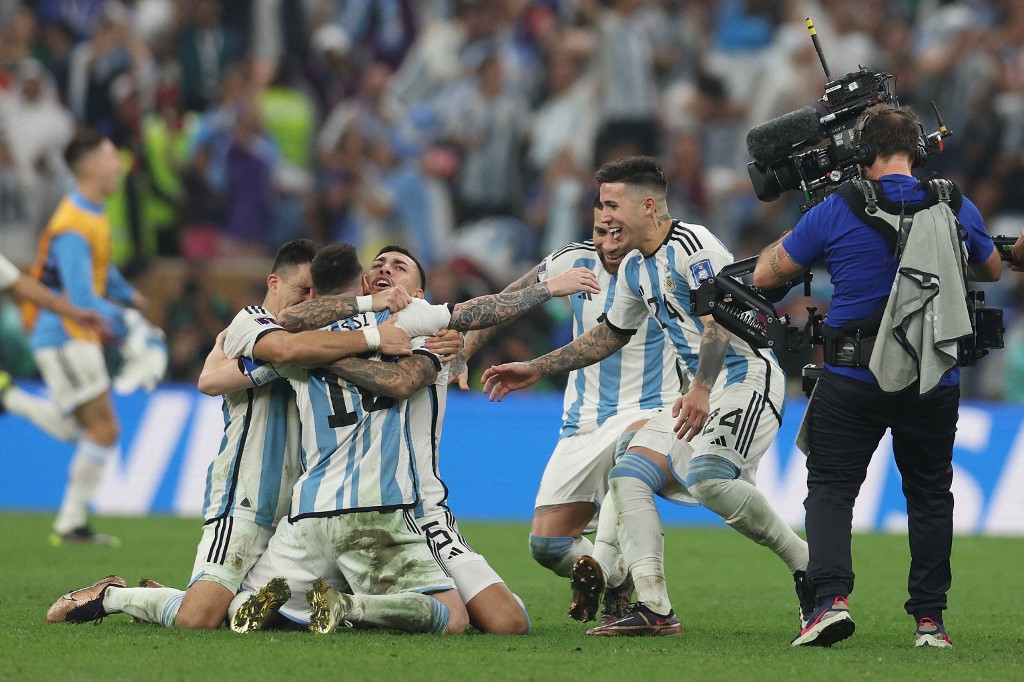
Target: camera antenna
[[817, 48]]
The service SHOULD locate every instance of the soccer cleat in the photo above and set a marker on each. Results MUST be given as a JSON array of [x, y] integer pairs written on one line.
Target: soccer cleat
[[932, 633], [84, 604], [83, 535], [828, 624], [258, 609], [587, 581], [150, 583], [329, 608], [805, 594], [641, 622], [617, 601]]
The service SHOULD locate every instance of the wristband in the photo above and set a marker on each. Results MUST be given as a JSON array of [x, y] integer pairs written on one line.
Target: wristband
[[364, 304], [372, 337]]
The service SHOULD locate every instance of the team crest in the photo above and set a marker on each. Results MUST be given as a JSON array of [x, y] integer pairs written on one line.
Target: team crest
[[701, 270], [670, 284]]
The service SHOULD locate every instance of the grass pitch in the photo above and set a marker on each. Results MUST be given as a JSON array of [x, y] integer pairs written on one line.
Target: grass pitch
[[735, 600]]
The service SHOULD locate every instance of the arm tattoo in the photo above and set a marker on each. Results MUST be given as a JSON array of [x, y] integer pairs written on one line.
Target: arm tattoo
[[491, 310], [773, 263], [317, 313], [594, 346], [714, 343], [475, 339], [393, 379]]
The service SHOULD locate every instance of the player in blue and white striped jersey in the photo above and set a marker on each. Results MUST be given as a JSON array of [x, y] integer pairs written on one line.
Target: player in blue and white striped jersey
[[604, 404], [359, 459], [249, 481], [711, 441]]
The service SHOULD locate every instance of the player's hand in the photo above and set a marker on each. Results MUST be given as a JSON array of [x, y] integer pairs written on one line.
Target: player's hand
[[1017, 264], [218, 343], [447, 344], [393, 299], [574, 281], [691, 412], [393, 339], [500, 380], [458, 372]]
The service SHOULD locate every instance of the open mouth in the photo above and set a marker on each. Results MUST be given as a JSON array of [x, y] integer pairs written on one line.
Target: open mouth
[[382, 282]]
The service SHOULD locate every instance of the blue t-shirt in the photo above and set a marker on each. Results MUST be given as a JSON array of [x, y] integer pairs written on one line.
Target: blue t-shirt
[[859, 262]]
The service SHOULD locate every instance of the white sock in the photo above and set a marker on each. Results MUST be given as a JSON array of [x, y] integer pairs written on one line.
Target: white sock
[[641, 540], [149, 604], [606, 544], [407, 611], [747, 510], [84, 477], [41, 412]]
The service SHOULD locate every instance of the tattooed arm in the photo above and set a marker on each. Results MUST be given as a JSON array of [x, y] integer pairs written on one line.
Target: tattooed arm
[[494, 309], [476, 338], [322, 311], [594, 346], [774, 266], [399, 379], [692, 409]]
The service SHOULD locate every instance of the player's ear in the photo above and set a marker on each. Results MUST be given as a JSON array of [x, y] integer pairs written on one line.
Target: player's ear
[[272, 282], [366, 284]]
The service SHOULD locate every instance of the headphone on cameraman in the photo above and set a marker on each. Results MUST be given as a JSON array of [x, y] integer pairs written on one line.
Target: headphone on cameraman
[[866, 151]]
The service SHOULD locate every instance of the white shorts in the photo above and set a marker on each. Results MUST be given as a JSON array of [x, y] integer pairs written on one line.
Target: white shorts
[[357, 553], [469, 569], [578, 468], [740, 427], [74, 372], [229, 548]]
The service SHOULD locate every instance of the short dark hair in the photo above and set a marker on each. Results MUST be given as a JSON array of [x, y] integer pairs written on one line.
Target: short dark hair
[[84, 141], [597, 201], [890, 130], [405, 252], [293, 254], [335, 268], [636, 171]]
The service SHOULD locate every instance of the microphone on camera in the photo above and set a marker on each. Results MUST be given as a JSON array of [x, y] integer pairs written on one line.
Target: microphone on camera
[[785, 134]]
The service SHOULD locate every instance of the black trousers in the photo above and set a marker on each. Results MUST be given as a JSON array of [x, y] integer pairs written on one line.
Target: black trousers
[[847, 418]]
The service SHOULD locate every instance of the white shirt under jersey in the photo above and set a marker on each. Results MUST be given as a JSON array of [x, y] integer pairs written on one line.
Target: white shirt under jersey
[[9, 273], [252, 475], [641, 376], [357, 450], [658, 286]]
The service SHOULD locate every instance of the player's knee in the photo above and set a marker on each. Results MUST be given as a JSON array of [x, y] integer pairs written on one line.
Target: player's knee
[[199, 620], [458, 620], [549, 552], [708, 478], [637, 467]]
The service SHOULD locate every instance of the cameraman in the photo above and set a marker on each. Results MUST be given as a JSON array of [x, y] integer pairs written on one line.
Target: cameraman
[[849, 412]]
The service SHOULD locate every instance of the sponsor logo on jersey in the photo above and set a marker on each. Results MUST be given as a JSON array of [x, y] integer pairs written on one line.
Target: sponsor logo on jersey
[[265, 320], [701, 270]]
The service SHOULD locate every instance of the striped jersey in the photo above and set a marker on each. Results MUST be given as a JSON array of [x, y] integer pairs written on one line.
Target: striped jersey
[[258, 462], [658, 287], [641, 376], [358, 451], [426, 417]]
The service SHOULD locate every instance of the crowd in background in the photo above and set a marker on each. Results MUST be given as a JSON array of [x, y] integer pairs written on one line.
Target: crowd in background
[[469, 130]]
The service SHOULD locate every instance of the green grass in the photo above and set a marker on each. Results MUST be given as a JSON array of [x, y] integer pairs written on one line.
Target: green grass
[[735, 600]]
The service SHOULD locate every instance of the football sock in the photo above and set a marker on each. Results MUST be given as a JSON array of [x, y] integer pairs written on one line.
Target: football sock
[[747, 510], [632, 483], [84, 477], [149, 604], [559, 554], [606, 545], [407, 611], [41, 412]]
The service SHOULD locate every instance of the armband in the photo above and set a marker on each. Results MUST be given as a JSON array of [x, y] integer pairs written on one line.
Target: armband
[[364, 304], [372, 337], [259, 372]]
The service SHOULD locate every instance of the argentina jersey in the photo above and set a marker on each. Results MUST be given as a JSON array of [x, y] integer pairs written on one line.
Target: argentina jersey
[[658, 287], [426, 418], [258, 462], [358, 452], [641, 376]]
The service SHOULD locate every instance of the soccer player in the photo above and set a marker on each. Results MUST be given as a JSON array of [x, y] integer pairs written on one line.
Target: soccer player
[[349, 519], [249, 481], [74, 258], [40, 411], [723, 423], [605, 404]]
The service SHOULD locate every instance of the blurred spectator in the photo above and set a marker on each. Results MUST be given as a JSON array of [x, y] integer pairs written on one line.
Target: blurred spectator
[[205, 48], [249, 174], [194, 318]]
